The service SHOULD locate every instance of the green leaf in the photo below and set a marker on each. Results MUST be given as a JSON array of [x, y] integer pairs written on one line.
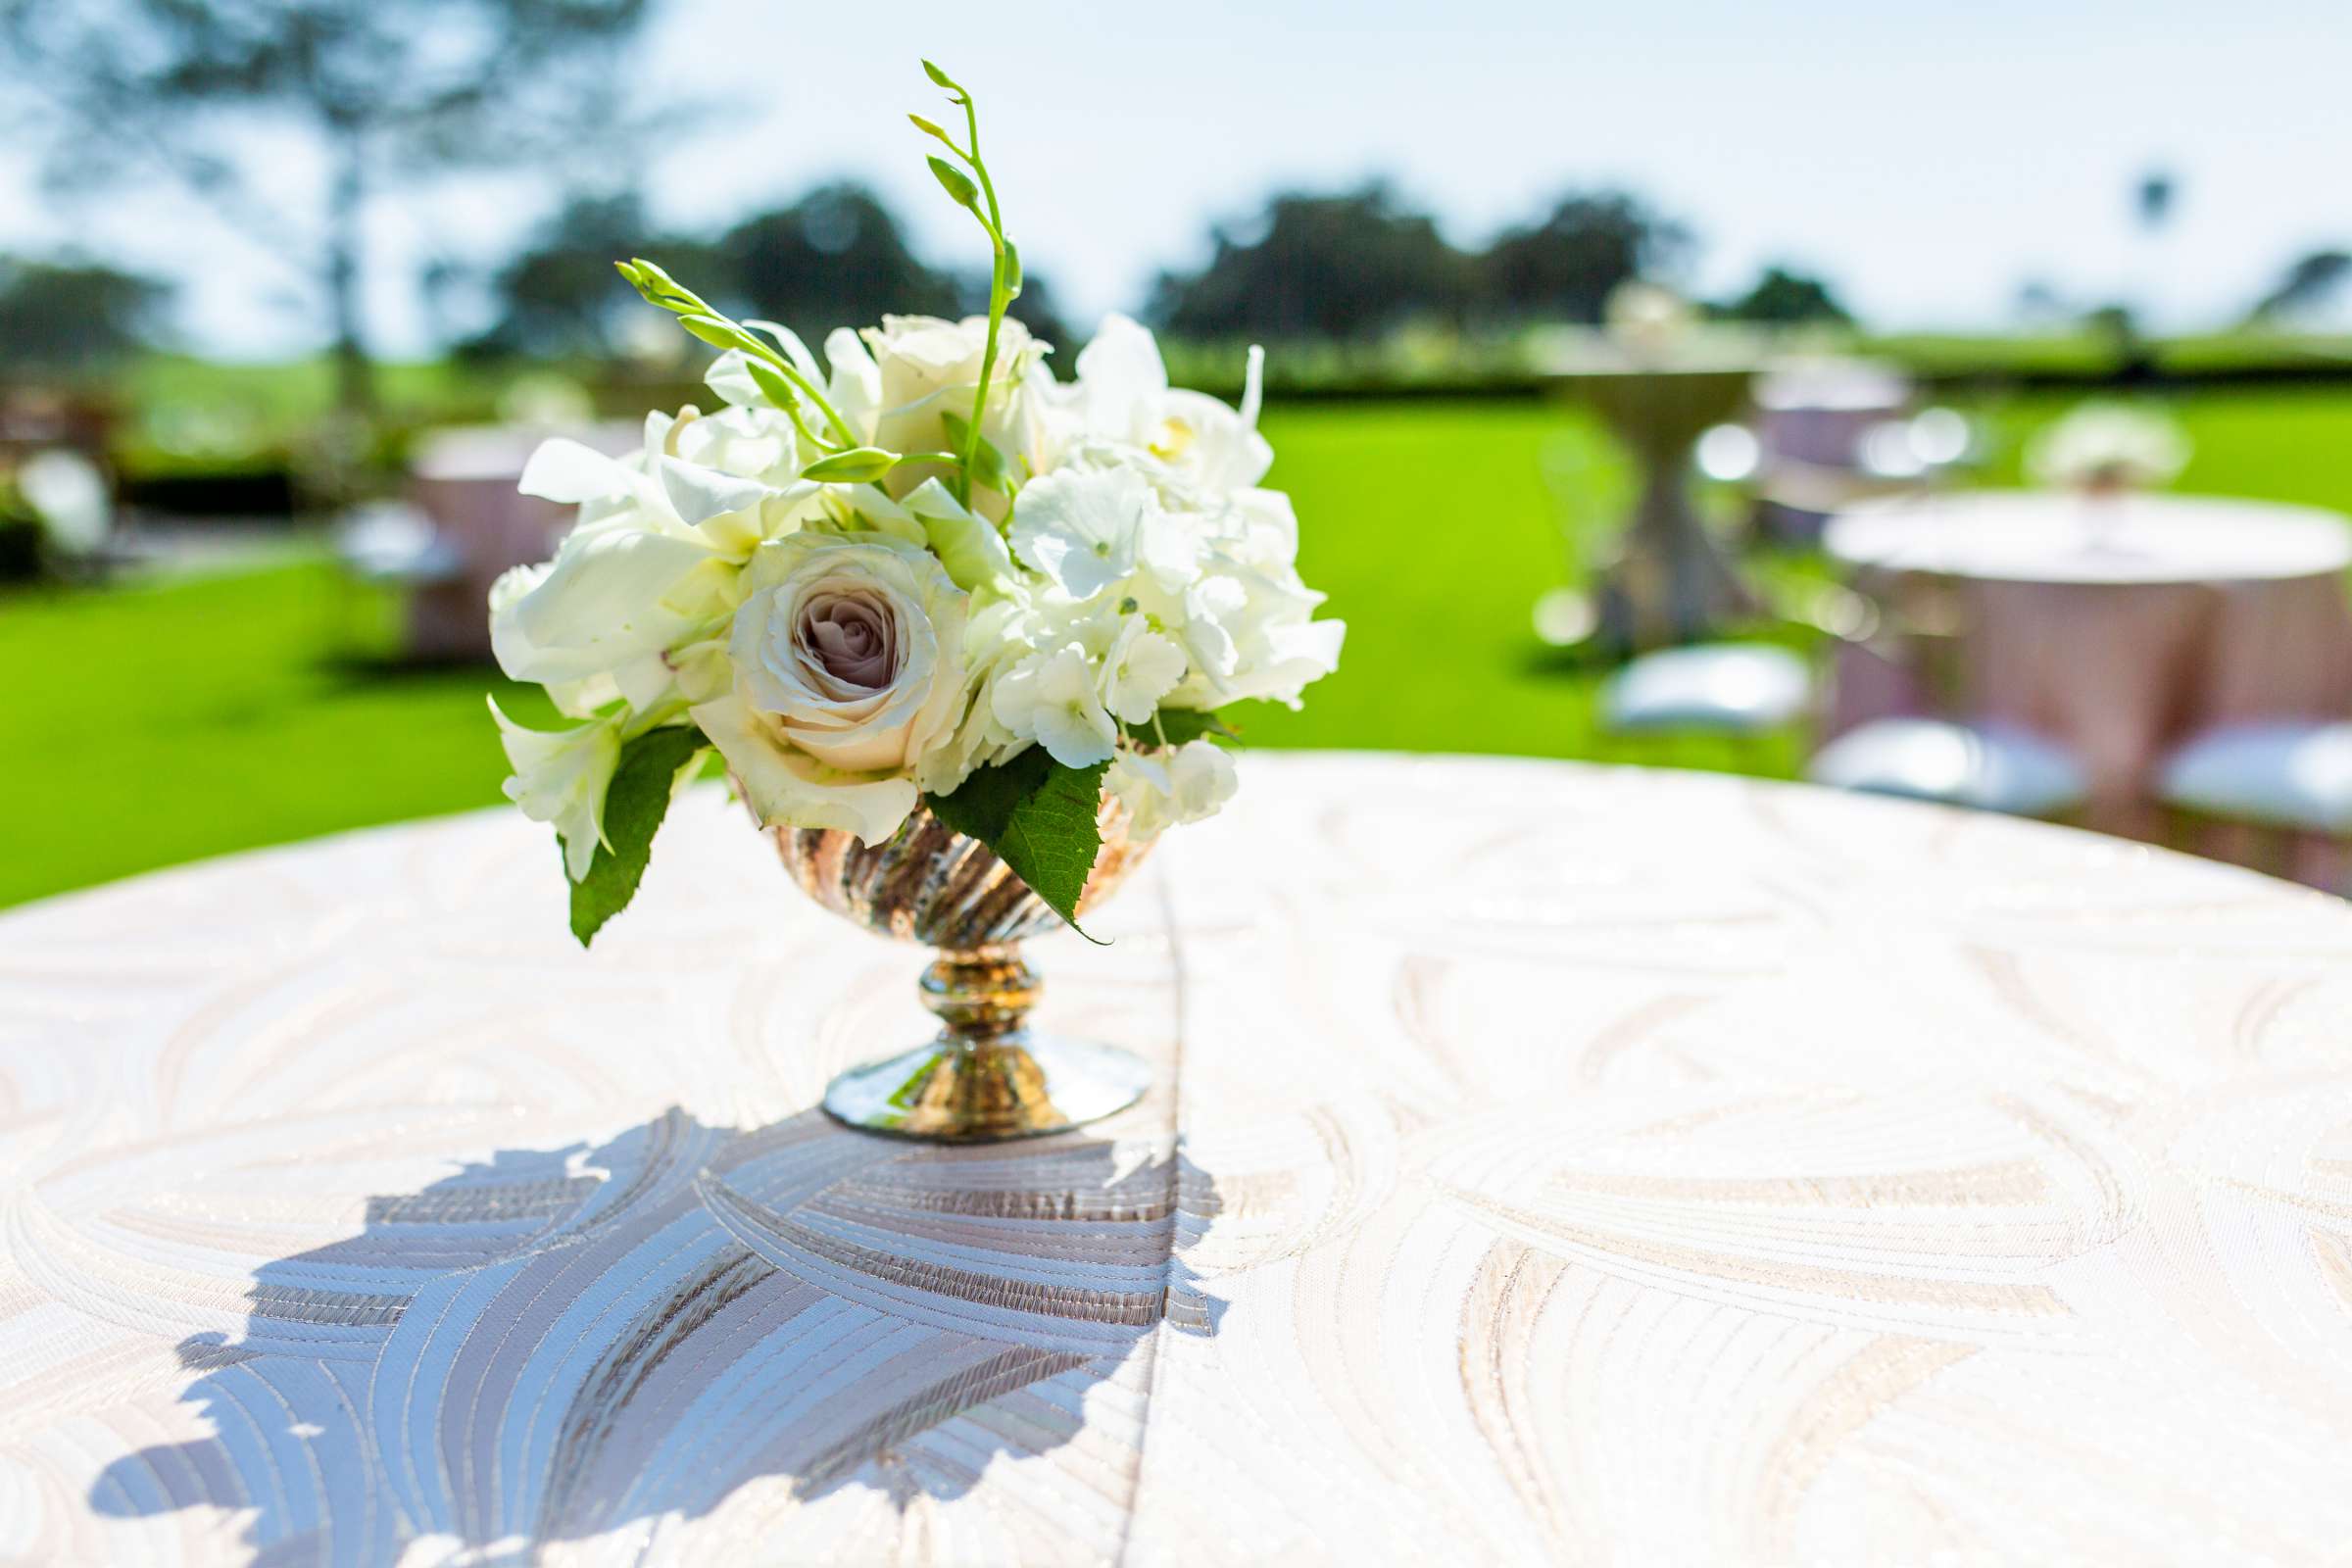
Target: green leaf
[[1013, 269], [982, 806], [858, 465], [635, 803], [988, 465], [959, 183], [1179, 725], [1039, 817]]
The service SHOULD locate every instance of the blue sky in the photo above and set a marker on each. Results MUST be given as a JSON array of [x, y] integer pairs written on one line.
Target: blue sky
[[1928, 158]]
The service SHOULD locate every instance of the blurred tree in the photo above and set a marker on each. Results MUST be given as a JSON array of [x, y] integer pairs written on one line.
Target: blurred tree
[[2117, 327], [2155, 195], [1564, 266], [2309, 283], [384, 91], [561, 296], [2118, 321], [1347, 266], [68, 313], [834, 257], [1786, 298], [2040, 304]]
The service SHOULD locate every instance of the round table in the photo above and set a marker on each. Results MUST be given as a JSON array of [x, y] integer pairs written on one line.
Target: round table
[[1548, 1163], [2118, 626]]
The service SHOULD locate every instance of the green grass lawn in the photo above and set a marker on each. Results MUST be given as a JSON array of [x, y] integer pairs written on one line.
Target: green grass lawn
[[157, 724], [148, 725]]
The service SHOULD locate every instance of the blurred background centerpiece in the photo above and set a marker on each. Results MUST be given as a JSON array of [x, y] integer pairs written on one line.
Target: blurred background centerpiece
[[1816, 430]]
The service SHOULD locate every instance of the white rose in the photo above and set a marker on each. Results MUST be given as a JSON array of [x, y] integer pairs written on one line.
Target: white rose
[[613, 599], [655, 559], [728, 480], [848, 653], [925, 368]]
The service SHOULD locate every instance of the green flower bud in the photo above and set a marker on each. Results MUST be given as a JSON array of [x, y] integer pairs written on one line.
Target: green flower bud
[[858, 465], [957, 183]]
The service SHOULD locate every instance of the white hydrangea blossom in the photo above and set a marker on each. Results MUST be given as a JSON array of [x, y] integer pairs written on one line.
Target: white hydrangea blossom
[[1186, 784]]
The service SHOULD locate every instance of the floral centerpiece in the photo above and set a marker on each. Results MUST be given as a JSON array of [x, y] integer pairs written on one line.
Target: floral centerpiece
[[921, 573], [2107, 448]]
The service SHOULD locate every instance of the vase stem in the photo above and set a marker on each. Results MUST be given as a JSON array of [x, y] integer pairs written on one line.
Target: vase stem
[[981, 997]]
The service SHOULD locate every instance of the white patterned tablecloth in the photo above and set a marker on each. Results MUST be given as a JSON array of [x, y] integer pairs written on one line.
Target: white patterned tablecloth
[[1548, 1164]]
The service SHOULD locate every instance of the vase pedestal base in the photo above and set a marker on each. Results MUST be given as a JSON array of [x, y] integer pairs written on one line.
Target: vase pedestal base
[[1022, 1086], [988, 1076]]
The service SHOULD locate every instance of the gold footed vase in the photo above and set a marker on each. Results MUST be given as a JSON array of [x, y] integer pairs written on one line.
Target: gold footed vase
[[987, 1075]]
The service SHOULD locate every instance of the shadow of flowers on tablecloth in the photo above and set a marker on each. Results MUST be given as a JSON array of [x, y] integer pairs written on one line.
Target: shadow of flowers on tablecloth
[[559, 1343]]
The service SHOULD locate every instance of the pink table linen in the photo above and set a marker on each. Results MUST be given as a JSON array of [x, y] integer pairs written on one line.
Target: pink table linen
[[2118, 628], [1547, 1165]]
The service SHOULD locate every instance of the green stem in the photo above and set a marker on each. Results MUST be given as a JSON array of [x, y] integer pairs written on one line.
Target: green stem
[[997, 300], [658, 288], [840, 426], [791, 412], [988, 364]]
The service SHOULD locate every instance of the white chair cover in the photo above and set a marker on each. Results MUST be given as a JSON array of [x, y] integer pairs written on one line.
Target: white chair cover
[[1743, 688], [1992, 770], [2282, 775]]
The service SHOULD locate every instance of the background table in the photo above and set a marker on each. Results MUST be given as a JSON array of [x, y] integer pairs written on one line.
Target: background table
[[1548, 1164], [464, 479], [2118, 626]]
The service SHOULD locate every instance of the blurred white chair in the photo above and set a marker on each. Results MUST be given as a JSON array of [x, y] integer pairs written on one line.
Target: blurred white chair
[[1728, 688], [71, 496], [395, 544], [2292, 776], [1990, 769]]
